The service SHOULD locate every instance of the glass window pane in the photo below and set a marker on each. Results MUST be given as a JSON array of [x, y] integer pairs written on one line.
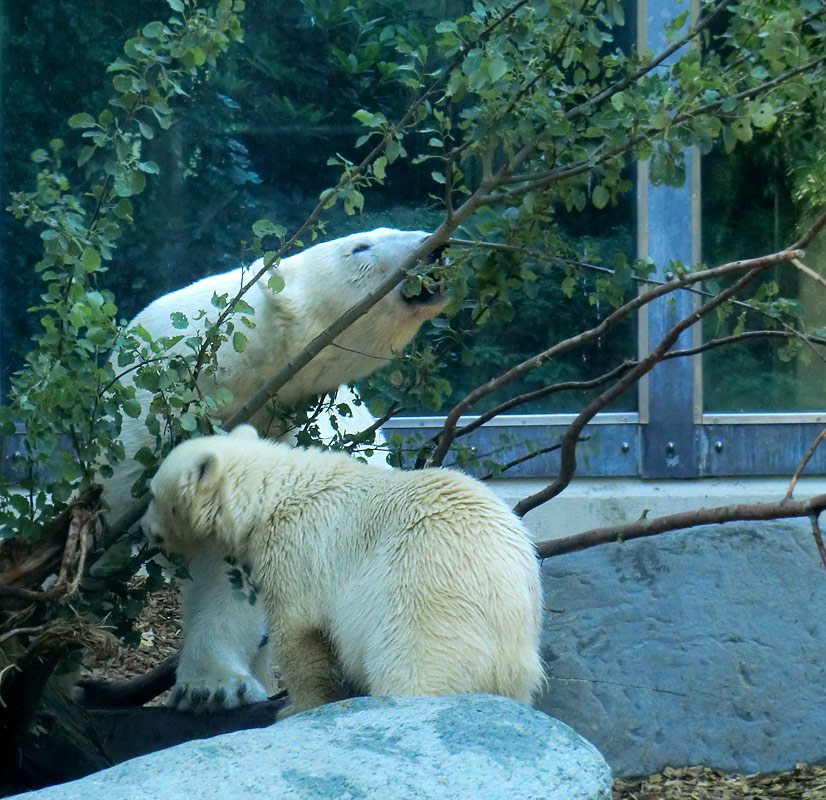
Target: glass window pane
[[754, 204], [545, 301]]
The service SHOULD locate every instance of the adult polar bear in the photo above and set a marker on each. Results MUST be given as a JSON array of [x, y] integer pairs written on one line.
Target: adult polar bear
[[392, 582], [221, 662]]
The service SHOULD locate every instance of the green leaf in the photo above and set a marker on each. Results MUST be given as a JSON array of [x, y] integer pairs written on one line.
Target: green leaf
[[497, 68], [176, 5], [353, 201], [198, 56], [123, 208], [154, 30], [90, 259], [39, 156], [370, 120], [85, 154], [123, 83], [276, 283], [618, 101], [239, 342], [132, 408], [263, 227], [380, 168], [600, 197], [742, 129], [137, 181], [762, 115], [661, 119], [179, 320], [98, 336], [189, 422], [82, 121]]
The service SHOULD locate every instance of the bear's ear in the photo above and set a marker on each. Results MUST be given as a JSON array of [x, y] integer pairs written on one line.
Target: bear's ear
[[206, 471], [244, 432]]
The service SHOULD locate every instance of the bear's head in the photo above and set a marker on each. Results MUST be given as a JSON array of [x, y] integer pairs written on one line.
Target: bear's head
[[187, 510], [335, 275]]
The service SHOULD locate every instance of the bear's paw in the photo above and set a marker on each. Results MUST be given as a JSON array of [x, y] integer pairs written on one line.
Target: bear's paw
[[222, 693]]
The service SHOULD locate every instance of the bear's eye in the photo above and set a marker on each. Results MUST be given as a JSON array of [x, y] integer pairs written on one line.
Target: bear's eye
[[360, 248]]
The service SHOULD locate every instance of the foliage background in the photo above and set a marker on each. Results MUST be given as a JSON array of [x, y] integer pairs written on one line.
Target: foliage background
[[252, 140]]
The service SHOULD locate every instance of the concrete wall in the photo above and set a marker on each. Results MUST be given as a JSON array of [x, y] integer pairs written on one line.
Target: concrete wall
[[705, 646]]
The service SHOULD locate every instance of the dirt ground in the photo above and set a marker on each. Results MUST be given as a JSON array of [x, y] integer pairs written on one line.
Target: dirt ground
[[158, 626]]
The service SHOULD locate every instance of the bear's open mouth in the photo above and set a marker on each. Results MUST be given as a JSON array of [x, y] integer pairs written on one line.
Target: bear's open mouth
[[427, 289]]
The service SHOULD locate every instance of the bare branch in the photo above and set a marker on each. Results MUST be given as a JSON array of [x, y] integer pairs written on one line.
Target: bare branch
[[809, 272], [528, 457], [679, 282], [808, 457], [568, 455], [818, 537], [685, 519], [585, 385], [538, 394], [814, 230]]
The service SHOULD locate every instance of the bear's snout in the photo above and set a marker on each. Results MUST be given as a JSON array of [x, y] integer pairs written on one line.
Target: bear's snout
[[150, 529]]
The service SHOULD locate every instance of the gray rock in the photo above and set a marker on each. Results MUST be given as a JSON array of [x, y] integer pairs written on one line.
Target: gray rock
[[705, 646], [439, 748]]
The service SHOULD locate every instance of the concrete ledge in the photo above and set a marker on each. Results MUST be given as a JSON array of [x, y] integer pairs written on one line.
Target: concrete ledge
[[593, 502]]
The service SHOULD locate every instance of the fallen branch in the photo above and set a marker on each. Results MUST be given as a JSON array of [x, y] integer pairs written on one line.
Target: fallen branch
[[78, 540], [640, 528]]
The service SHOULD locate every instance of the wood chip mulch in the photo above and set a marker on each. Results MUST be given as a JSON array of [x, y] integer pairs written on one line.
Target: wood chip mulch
[[159, 626], [700, 783]]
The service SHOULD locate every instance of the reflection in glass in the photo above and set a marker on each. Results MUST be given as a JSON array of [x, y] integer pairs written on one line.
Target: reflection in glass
[[750, 209]]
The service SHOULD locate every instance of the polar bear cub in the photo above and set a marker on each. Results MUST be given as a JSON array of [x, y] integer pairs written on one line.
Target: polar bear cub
[[222, 663], [387, 581]]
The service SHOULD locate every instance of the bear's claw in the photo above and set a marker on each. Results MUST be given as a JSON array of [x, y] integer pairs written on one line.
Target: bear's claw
[[231, 692]]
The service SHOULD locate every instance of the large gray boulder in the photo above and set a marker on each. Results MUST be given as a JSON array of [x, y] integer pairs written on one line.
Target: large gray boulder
[[695, 647], [438, 748]]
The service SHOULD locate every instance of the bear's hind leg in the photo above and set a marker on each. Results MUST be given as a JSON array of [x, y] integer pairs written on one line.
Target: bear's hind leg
[[308, 667]]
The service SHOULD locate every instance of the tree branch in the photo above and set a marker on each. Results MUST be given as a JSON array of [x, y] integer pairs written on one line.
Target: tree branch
[[686, 519], [679, 282], [552, 448], [818, 537], [568, 455], [806, 458]]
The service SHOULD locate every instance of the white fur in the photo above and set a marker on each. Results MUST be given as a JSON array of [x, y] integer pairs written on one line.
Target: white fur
[[220, 659], [392, 582]]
